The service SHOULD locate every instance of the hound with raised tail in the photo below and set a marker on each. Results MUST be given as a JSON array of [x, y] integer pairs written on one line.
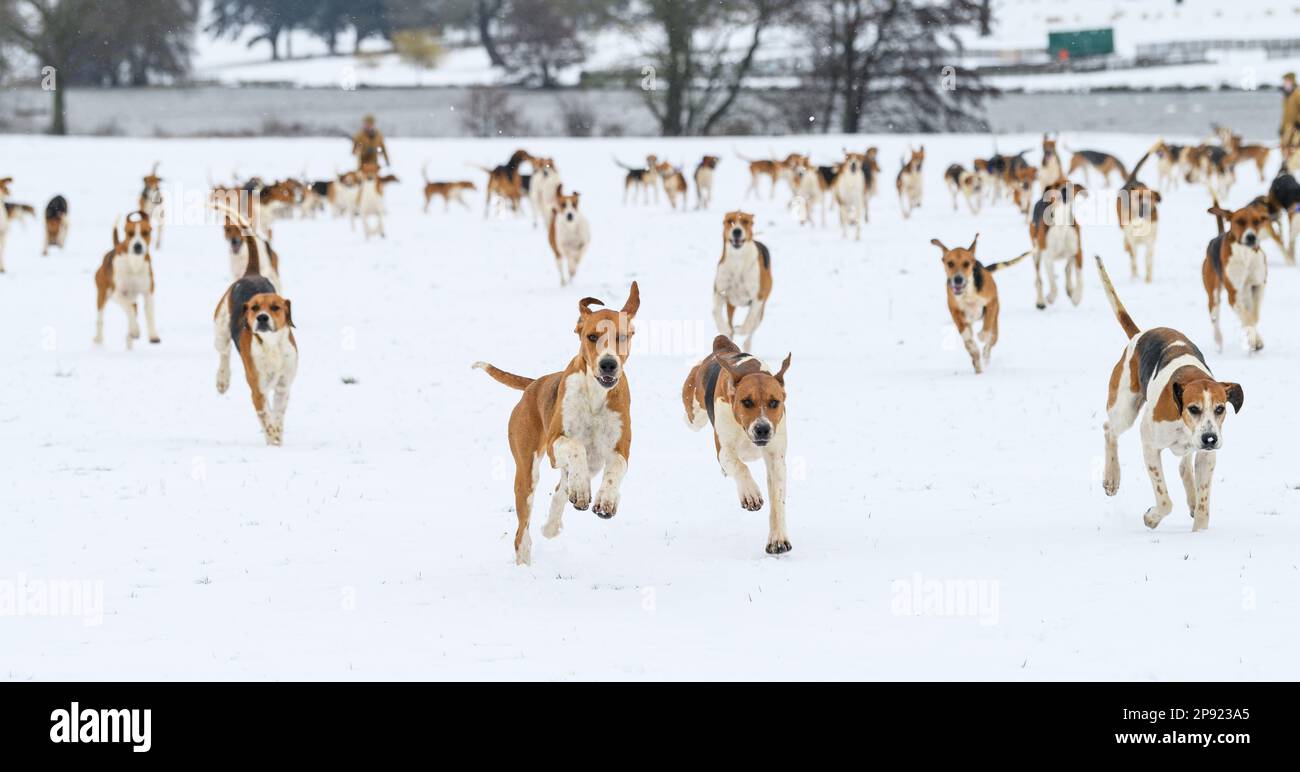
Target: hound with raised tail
[[743, 278], [1163, 371], [151, 201], [1283, 201], [1235, 261], [746, 405], [1105, 163], [252, 315], [1054, 234], [704, 181], [450, 191], [771, 168], [965, 184], [569, 234], [1137, 213], [973, 295], [56, 223], [579, 418], [641, 181], [126, 276], [909, 182]]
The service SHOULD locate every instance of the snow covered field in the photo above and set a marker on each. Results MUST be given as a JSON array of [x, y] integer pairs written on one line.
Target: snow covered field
[[945, 525]]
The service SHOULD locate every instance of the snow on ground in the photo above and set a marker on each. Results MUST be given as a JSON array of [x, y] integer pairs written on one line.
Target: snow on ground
[[377, 542]]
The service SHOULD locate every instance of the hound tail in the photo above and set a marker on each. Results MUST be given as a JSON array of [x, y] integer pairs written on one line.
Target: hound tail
[[995, 267], [483, 169], [254, 267], [501, 376], [1218, 218], [1128, 179], [424, 172], [622, 165], [1121, 313]]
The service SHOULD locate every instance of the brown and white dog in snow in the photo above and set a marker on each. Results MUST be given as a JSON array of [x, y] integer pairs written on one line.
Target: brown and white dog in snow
[[909, 181], [704, 181], [745, 403], [370, 199], [1235, 262], [965, 184], [641, 181], [253, 316], [450, 191], [1163, 371], [1054, 236], [1105, 163], [771, 168], [543, 188], [151, 202], [9, 212], [849, 187], [505, 182], [743, 278], [1050, 171], [674, 183], [56, 223], [810, 187], [569, 234], [1138, 214], [126, 276], [1171, 164], [1240, 152], [972, 296], [579, 418]]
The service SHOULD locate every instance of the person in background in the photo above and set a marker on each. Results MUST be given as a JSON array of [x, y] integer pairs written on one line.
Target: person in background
[[368, 144], [1290, 130]]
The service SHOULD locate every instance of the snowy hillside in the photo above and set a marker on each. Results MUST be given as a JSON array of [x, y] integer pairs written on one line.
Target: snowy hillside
[[945, 525], [1019, 24]]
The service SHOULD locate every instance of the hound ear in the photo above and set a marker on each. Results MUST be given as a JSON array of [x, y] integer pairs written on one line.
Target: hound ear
[[1235, 395], [584, 306], [633, 301], [288, 313], [1176, 389], [939, 244], [780, 374], [1219, 211], [971, 248], [1155, 196]]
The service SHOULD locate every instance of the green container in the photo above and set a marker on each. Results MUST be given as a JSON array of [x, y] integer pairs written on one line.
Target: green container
[[1081, 43]]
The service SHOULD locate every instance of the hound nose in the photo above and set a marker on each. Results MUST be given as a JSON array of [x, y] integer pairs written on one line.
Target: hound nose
[[138, 248], [1209, 440], [569, 217], [608, 366], [263, 318], [1250, 239], [762, 431], [958, 279], [736, 233]]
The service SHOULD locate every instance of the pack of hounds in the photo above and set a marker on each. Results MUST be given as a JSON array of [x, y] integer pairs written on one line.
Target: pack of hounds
[[578, 417]]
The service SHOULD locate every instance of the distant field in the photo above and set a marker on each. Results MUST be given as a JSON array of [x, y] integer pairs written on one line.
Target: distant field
[[254, 111]]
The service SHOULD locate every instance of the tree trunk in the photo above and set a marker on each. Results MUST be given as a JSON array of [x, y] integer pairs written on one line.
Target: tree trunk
[[986, 18], [58, 122], [484, 18]]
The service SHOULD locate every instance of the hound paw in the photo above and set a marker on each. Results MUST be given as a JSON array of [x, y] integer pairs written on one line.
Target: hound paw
[[1040, 305], [1152, 518], [1111, 485], [778, 546], [155, 339], [223, 380], [552, 528], [1200, 523], [750, 496], [579, 496], [606, 505]]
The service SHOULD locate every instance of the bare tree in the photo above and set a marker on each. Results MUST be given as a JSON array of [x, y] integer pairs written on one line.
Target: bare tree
[[541, 37], [700, 72], [486, 14], [900, 59]]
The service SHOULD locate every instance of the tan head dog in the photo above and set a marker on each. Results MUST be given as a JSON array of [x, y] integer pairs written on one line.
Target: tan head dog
[[1162, 371], [745, 403], [1054, 235], [1235, 262], [568, 233], [743, 278], [579, 418], [125, 275], [151, 201], [973, 295]]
